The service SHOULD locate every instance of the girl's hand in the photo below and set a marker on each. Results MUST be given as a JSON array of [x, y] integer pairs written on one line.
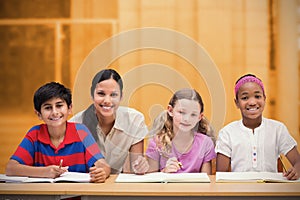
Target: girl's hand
[[140, 165], [54, 171], [172, 165], [98, 175], [291, 174]]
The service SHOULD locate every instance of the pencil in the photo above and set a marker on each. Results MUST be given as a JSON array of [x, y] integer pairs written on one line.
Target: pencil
[[60, 163], [180, 165], [285, 162], [161, 153]]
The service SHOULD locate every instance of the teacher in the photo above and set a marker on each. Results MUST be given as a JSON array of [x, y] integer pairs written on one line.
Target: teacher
[[119, 131]]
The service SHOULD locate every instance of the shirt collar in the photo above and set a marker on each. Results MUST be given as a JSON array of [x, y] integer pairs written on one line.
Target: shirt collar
[[70, 136], [256, 129], [119, 123]]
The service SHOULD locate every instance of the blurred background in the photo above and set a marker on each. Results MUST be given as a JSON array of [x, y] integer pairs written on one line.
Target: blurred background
[[53, 40]]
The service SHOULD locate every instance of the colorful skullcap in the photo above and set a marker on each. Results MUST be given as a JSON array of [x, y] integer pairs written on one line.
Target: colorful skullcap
[[246, 79]]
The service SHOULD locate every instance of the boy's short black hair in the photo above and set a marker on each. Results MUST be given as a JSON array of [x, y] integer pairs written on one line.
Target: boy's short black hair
[[49, 91]]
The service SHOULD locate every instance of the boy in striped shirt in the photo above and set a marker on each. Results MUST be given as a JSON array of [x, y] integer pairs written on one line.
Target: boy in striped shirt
[[57, 146]]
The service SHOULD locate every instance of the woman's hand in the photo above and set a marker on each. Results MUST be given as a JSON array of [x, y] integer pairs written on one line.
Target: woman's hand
[[98, 174], [140, 165]]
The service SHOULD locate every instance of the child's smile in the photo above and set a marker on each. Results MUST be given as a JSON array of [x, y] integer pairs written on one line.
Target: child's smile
[[251, 101], [253, 109], [186, 114], [54, 111], [56, 118]]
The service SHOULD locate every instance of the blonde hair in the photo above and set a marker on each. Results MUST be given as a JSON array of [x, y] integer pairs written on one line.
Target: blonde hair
[[163, 125]]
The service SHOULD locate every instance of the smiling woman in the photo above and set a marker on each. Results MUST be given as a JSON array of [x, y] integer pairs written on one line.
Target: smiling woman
[[119, 131]]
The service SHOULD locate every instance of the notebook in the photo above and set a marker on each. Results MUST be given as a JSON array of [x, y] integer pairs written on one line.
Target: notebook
[[223, 177], [65, 177], [161, 177]]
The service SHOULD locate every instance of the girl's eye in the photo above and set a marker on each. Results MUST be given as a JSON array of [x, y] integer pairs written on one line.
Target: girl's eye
[[194, 115], [258, 96], [244, 98]]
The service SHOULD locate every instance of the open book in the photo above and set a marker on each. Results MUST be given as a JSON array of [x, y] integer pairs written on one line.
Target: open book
[[65, 177], [163, 177], [223, 177]]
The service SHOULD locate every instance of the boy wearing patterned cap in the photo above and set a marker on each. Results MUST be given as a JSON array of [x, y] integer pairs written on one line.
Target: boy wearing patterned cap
[[254, 143]]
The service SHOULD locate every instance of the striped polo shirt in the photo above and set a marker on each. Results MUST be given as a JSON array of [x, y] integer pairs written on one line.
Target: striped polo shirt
[[78, 150]]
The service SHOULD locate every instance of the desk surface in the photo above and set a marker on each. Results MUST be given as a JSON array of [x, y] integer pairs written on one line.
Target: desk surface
[[110, 188]]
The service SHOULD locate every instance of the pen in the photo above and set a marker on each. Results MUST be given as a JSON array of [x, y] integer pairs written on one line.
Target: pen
[[60, 163]]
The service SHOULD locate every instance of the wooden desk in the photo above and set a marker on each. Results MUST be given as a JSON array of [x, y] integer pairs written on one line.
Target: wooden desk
[[111, 190]]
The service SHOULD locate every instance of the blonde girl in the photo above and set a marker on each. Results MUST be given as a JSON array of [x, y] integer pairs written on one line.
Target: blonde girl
[[180, 143]]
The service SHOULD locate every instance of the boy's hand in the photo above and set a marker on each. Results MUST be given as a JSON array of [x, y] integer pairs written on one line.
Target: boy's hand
[[291, 174], [98, 175], [172, 165], [140, 165], [54, 171]]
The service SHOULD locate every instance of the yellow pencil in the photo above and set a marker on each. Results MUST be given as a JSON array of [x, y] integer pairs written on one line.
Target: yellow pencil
[[285, 162]]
